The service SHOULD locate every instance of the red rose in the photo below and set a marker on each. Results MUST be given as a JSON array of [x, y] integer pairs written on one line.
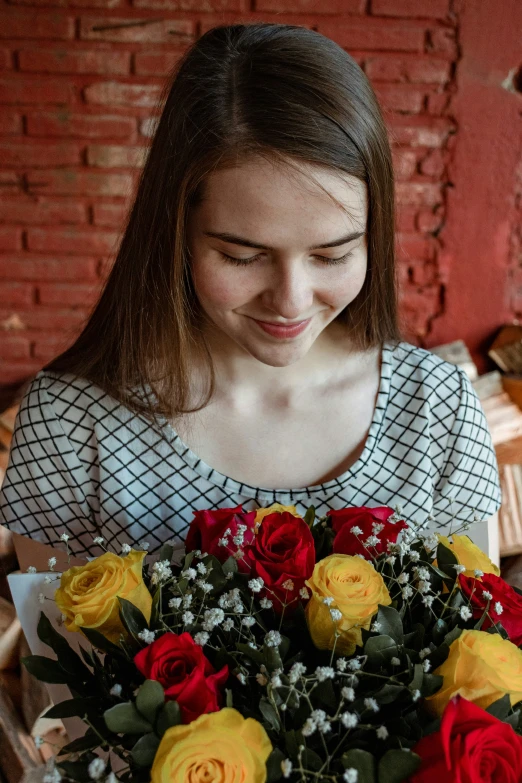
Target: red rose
[[282, 550], [471, 747], [371, 522], [208, 528], [187, 676], [511, 615]]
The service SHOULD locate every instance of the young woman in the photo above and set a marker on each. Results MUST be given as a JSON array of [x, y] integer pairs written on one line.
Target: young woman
[[245, 349]]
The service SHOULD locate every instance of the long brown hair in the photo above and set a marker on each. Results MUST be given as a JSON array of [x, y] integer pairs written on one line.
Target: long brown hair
[[279, 91]]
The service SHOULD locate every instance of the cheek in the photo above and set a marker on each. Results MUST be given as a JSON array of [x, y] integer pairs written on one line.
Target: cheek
[[222, 288], [349, 282]]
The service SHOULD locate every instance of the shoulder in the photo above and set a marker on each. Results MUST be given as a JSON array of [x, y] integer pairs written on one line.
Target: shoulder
[[418, 373]]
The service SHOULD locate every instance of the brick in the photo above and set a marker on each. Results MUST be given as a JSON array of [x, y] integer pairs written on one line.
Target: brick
[[404, 163], [10, 182], [423, 273], [31, 24], [46, 211], [192, 5], [68, 295], [13, 346], [399, 97], [109, 214], [10, 123], [6, 60], [35, 268], [407, 68], [438, 103], [109, 4], [435, 9], [63, 122], [419, 131], [428, 221], [433, 164], [74, 61], [148, 126], [71, 240], [146, 30], [10, 238], [311, 6], [111, 93], [110, 156], [45, 318], [412, 246], [406, 219], [442, 40], [47, 346], [376, 34], [67, 182], [39, 155], [155, 63], [39, 91], [16, 294], [418, 193]]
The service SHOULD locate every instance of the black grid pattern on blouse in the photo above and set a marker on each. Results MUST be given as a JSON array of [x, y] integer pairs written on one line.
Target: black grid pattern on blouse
[[83, 464]]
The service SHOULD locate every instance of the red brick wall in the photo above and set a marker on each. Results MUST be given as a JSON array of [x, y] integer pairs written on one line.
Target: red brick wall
[[79, 85]]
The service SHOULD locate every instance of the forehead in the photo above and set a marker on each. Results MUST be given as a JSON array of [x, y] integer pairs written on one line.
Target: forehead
[[280, 203]]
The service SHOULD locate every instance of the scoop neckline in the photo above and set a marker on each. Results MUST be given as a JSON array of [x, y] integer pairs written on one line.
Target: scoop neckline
[[237, 487]]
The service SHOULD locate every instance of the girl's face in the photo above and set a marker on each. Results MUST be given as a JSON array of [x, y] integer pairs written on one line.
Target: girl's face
[[301, 255]]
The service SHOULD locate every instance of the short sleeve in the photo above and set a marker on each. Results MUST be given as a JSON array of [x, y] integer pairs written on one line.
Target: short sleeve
[[468, 488], [46, 490]]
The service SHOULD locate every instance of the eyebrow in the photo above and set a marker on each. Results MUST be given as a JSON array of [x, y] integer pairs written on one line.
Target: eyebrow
[[235, 240]]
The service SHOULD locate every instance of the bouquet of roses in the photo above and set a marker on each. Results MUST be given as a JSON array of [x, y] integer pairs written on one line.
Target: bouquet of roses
[[352, 648]]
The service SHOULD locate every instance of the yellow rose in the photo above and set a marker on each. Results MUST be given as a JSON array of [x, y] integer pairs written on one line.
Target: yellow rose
[[470, 555], [219, 747], [274, 508], [482, 667], [356, 588], [88, 594]]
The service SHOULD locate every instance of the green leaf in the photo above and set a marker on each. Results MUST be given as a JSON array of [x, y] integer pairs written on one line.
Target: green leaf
[[125, 719], [431, 683], [69, 660], [452, 635], [145, 749], [255, 655], [230, 566], [89, 741], [439, 631], [380, 649], [229, 697], [47, 670], [166, 552], [389, 693], [272, 658], [131, 617], [391, 623], [500, 708], [398, 765], [99, 641], [311, 760], [446, 560], [309, 517], [293, 739], [73, 707], [169, 715], [269, 714], [76, 770], [363, 762], [273, 766], [150, 698]]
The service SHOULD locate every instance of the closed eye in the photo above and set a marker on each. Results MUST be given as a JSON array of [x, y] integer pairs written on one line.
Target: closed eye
[[324, 259]]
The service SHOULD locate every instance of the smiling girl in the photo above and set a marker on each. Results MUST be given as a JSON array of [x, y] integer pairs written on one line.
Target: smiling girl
[[245, 349]]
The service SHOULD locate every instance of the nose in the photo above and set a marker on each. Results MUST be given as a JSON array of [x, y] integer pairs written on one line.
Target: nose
[[289, 292]]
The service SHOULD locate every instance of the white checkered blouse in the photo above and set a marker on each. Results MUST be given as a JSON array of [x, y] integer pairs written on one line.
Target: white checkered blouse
[[84, 464]]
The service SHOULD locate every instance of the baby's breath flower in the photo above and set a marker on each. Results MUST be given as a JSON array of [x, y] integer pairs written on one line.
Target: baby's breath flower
[[31, 570], [223, 541], [303, 592], [324, 673], [459, 568], [348, 694], [286, 768], [256, 585], [201, 567], [424, 653], [96, 768], [51, 563], [228, 624], [356, 530], [309, 727], [189, 573], [288, 584], [424, 586], [354, 664], [395, 661], [147, 636], [414, 556], [349, 720], [273, 639], [175, 603], [403, 578], [341, 664], [428, 600], [328, 600], [336, 615], [265, 603], [371, 541], [248, 621], [426, 666], [371, 704], [41, 597], [382, 732], [64, 537], [478, 573], [187, 618], [350, 775], [416, 694], [241, 677], [407, 591], [487, 595], [465, 613], [201, 638], [115, 690], [262, 679], [376, 627], [499, 608], [125, 549], [391, 560]]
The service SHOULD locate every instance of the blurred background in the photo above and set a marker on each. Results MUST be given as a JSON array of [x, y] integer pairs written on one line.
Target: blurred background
[[80, 84]]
